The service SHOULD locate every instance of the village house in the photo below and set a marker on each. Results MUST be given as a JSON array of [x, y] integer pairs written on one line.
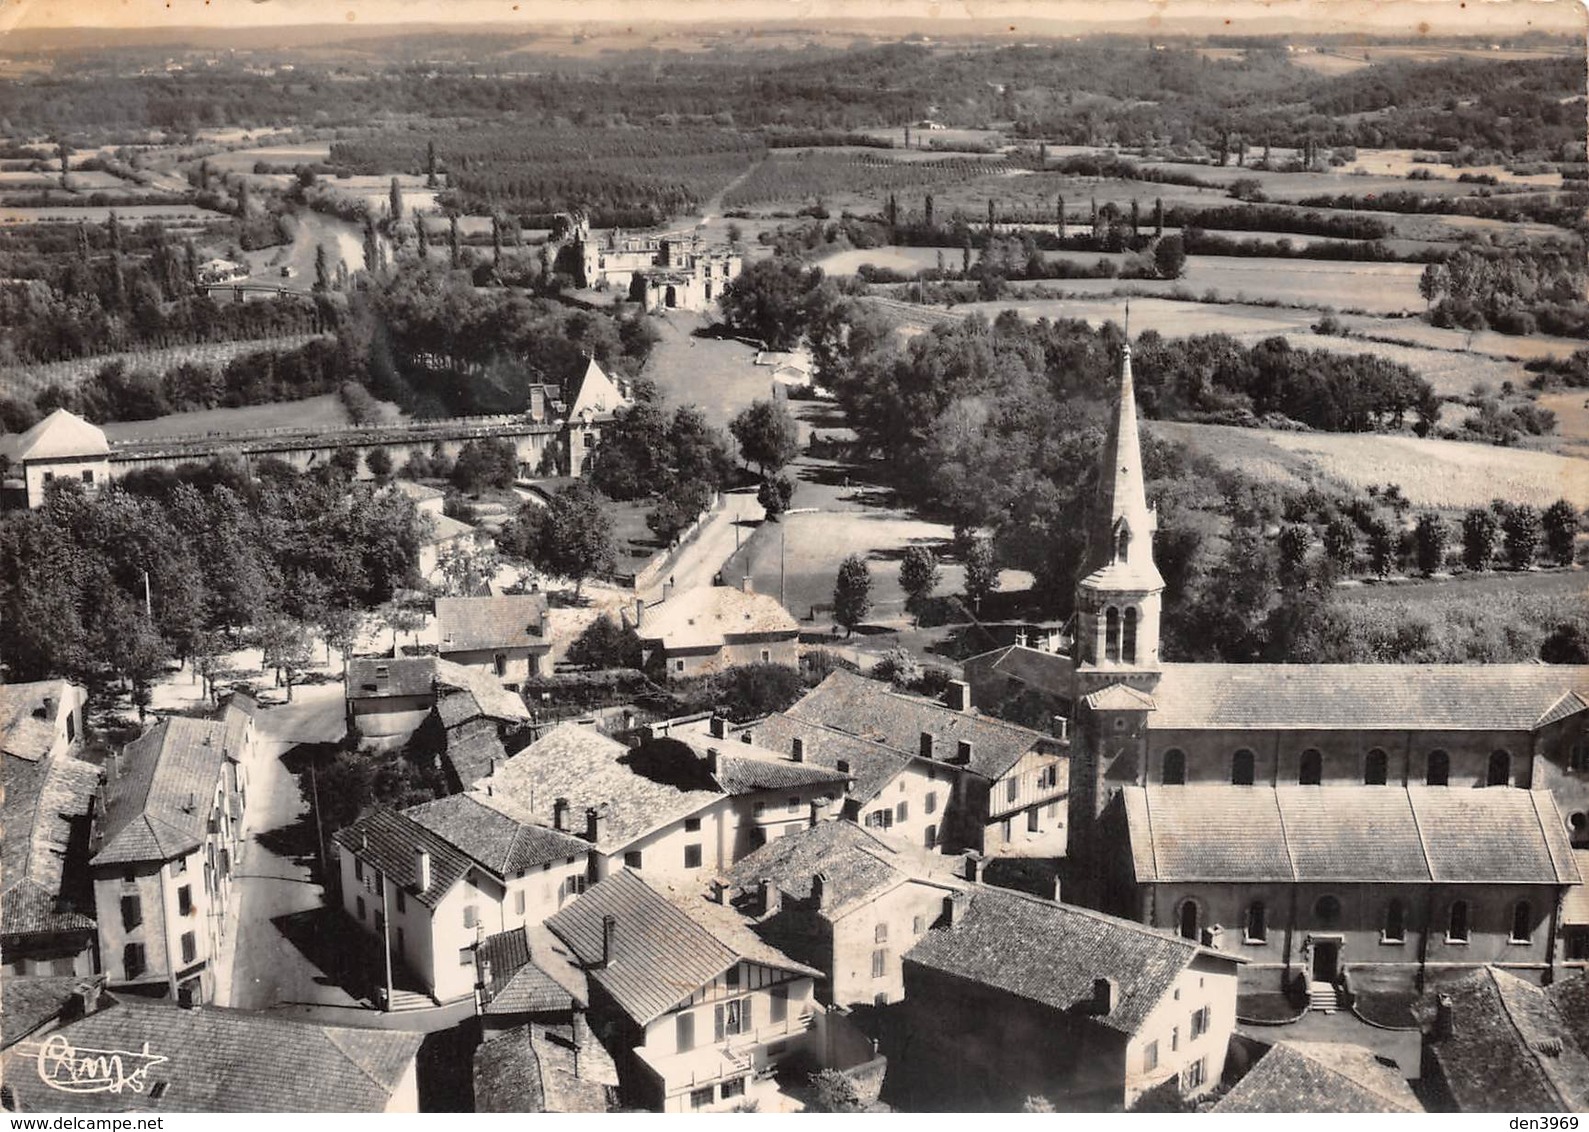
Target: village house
[[666, 806], [709, 628], [1343, 888], [41, 718], [387, 698], [62, 446], [1049, 1000], [1493, 1042], [1004, 788], [504, 637], [210, 1060], [1320, 1077], [845, 902], [163, 856], [429, 882], [699, 1010], [514, 989], [544, 1067], [440, 533]]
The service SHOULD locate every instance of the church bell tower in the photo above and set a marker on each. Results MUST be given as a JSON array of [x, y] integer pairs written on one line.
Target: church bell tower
[[1119, 597]]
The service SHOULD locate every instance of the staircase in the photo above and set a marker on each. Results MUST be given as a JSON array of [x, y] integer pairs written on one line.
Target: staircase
[[409, 1000], [1322, 997]]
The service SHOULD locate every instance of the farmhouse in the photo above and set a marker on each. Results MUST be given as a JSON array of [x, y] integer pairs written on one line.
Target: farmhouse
[[61, 446], [1054, 1001], [388, 697], [503, 637], [709, 628]]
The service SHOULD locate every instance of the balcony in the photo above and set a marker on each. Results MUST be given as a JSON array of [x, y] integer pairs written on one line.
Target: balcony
[[708, 1064]]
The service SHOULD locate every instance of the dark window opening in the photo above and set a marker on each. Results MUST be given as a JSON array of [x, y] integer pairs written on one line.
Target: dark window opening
[[1500, 769], [1129, 643], [1457, 925], [1439, 769], [1257, 923], [1376, 769], [1174, 770], [1311, 771], [1242, 768]]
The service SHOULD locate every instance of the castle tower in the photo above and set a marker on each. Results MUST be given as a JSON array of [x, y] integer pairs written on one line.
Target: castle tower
[[1119, 597]]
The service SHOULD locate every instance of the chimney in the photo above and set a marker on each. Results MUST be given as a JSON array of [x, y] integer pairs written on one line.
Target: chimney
[[926, 744], [1020, 637], [639, 613], [1213, 936], [719, 890], [747, 585], [819, 891], [491, 766], [537, 403], [770, 898], [484, 966], [609, 940], [49, 708], [1105, 996], [819, 809], [973, 866], [954, 907], [1057, 898], [581, 1032], [958, 696], [747, 737], [422, 869], [711, 760], [85, 996], [595, 824], [797, 750], [1445, 1020], [963, 751], [718, 727], [560, 815], [1062, 728]]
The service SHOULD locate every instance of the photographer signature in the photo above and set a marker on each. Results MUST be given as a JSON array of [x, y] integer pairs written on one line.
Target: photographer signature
[[65, 1067]]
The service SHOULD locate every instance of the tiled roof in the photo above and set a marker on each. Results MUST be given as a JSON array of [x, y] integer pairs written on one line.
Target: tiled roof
[[237, 720], [596, 393], [40, 799], [29, 1001], [741, 774], [404, 676], [460, 707], [872, 710], [390, 841], [494, 700], [591, 770], [872, 765], [532, 1068], [60, 434], [444, 528], [708, 616], [666, 946], [1320, 1077], [518, 984], [1049, 672], [1347, 833], [511, 621], [507, 1074], [494, 833], [1509, 1050], [159, 806], [1364, 697], [220, 1060], [1570, 996], [1120, 697], [474, 749], [21, 732], [855, 866], [1051, 954]]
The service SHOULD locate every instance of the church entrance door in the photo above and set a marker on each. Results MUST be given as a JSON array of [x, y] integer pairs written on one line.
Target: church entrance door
[[1326, 960]]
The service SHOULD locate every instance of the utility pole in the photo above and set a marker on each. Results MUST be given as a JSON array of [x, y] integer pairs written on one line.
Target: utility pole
[[386, 936], [783, 573], [148, 603]]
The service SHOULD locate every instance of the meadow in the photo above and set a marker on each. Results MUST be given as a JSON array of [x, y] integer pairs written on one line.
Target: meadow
[[1446, 475], [324, 411]]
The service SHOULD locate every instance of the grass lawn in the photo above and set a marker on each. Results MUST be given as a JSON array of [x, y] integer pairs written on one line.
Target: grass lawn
[[636, 543], [312, 412], [714, 374], [1565, 585]]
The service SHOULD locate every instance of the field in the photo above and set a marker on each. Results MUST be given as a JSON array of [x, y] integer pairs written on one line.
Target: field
[[1443, 474], [244, 160], [66, 213], [1542, 584], [795, 176], [29, 380], [324, 411], [713, 374]]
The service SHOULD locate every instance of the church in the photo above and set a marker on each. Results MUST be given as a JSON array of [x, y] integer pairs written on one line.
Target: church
[[1336, 826]]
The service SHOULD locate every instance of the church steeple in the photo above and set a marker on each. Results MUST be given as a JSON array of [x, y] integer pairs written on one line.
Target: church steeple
[[1119, 597]]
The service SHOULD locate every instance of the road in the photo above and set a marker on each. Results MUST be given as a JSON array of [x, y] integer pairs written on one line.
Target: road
[[267, 969], [699, 562]]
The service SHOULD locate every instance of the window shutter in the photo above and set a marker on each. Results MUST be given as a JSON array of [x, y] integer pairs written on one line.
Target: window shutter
[[718, 1031], [746, 1026]]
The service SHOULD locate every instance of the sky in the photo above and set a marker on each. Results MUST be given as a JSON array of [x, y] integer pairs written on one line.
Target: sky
[[1442, 17]]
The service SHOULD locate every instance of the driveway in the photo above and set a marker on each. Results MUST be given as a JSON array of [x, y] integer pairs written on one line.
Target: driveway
[[698, 563]]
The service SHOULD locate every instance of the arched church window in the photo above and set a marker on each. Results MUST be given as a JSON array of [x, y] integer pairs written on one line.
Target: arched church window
[[1241, 768], [1311, 772], [1111, 634], [1174, 771], [1500, 769], [1128, 640], [1375, 768], [1186, 919]]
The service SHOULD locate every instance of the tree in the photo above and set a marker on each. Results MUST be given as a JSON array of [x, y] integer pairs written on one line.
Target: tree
[[1295, 540], [754, 691], [378, 462], [322, 269], [431, 180], [339, 629], [771, 300], [899, 667], [1340, 545], [605, 644], [483, 463], [832, 1091], [1520, 531], [678, 507], [1560, 523], [1431, 536], [400, 617], [454, 246], [918, 577], [774, 495], [1480, 533], [767, 435], [1381, 548], [571, 537], [982, 571], [286, 646], [394, 201], [1567, 643], [1169, 257], [1434, 282], [852, 593]]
